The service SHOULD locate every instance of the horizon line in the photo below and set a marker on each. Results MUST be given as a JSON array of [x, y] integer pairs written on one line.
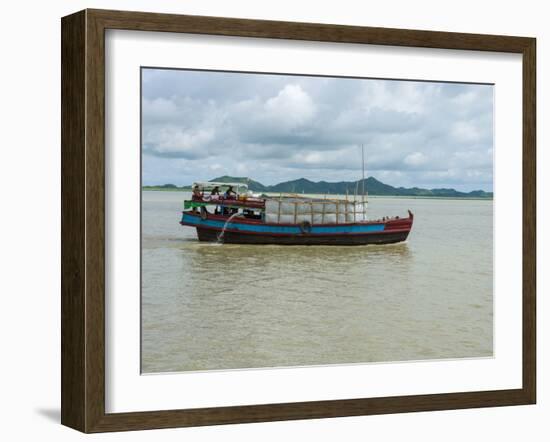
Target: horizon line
[[322, 181]]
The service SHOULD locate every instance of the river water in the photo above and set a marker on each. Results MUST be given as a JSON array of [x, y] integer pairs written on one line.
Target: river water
[[221, 306]]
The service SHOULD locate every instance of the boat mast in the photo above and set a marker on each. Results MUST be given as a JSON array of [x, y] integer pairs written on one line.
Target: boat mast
[[363, 168]]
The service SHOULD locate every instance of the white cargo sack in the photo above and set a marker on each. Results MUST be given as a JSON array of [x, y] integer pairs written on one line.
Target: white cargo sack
[[314, 211]]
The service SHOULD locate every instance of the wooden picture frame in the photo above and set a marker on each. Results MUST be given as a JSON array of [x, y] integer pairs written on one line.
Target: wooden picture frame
[[83, 220]]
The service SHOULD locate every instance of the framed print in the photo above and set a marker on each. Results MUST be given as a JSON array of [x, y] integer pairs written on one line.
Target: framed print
[[270, 220]]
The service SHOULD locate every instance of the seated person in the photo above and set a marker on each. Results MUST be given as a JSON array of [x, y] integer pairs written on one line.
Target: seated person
[[230, 193], [215, 191]]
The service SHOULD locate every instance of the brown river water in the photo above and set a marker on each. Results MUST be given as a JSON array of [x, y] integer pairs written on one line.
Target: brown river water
[[221, 306]]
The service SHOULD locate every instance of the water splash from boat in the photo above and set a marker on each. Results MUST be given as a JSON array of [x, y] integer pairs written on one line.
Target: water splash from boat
[[220, 236]]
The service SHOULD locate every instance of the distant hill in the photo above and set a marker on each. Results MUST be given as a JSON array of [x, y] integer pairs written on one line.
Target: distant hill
[[252, 185], [303, 185], [372, 186]]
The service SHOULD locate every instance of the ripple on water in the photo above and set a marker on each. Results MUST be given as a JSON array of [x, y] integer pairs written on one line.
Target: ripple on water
[[222, 306]]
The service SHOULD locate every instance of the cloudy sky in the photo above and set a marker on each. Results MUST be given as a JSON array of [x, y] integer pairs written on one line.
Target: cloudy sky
[[198, 125]]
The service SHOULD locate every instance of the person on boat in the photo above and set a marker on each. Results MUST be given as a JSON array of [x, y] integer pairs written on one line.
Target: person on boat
[[197, 194], [230, 193], [214, 195]]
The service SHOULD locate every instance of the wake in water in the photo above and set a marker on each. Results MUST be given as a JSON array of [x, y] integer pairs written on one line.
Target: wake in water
[[222, 233]]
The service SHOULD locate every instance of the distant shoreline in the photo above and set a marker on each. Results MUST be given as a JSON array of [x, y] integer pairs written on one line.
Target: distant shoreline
[[308, 187], [166, 189], [408, 197]]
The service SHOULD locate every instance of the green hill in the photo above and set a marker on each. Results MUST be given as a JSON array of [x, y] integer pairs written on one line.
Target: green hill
[[252, 185], [372, 186]]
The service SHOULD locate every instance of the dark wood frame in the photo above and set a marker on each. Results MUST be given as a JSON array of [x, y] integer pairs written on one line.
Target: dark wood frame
[[83, 220]]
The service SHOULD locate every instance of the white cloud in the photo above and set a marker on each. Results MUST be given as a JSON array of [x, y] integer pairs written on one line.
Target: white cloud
[[415, 159], [275, 128], [159, 108], [465, 131], [169, 141], [291, 107]]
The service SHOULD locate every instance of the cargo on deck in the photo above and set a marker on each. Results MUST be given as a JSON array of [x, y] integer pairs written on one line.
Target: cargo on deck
[[244, 218]]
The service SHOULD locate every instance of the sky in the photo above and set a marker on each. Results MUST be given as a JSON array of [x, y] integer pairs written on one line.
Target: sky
[[198, 125]]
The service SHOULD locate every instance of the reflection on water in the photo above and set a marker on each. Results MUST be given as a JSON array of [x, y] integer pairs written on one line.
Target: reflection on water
[[221, 306]]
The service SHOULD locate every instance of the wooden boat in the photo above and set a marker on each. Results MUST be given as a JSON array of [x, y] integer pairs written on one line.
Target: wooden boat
[[246, 219]]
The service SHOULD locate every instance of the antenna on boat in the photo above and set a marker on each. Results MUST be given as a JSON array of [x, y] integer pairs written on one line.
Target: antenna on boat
[[363, 169]]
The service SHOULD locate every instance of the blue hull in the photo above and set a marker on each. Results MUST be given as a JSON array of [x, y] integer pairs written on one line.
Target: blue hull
[[256, 232]]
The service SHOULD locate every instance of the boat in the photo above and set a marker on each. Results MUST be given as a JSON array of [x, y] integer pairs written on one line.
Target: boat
[[240, 217]]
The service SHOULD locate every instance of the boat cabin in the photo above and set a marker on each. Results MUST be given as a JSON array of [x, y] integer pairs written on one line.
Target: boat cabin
[[206, 188], [225, 199]]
